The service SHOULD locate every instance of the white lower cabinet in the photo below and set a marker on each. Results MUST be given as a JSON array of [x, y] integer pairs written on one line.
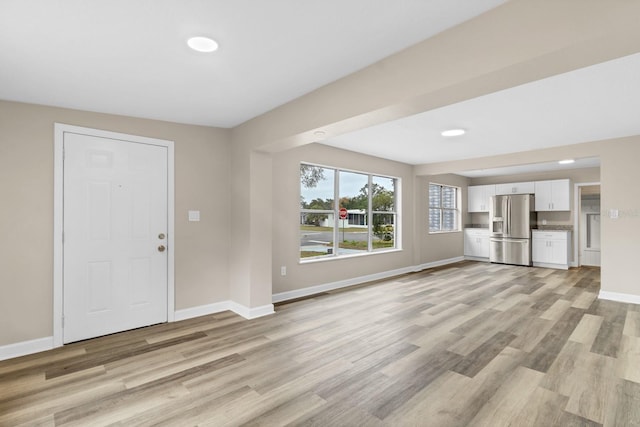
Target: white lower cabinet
[[551, 248], [476, 243]]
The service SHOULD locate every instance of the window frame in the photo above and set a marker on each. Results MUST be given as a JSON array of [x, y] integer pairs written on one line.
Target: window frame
[[442, 209], [335, 253]]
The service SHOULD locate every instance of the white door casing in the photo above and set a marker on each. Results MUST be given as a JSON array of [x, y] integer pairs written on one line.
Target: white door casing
[[113, 210]]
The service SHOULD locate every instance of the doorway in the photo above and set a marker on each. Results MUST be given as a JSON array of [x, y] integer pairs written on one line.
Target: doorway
[[113, 259], [588, 211]]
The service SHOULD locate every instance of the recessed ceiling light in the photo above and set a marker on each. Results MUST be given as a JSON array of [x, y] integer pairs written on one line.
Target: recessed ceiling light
[[202, 44], [566, 161], [453, 132]]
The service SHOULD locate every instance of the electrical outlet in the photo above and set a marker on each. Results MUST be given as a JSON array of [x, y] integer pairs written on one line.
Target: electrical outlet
[[283, 270]]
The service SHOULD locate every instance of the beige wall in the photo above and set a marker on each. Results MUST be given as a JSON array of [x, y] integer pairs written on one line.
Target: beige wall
[[620, 238], [26, 214], [286, 217]]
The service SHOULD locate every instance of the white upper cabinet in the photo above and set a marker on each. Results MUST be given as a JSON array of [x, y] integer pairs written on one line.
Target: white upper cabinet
[[515, 188], [478, 197], [553, 195]]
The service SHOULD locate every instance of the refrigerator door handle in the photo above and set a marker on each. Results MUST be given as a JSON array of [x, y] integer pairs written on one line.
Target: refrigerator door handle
[[510, 214], [507, 222]]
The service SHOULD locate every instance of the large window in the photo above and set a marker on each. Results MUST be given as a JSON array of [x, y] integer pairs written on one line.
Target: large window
[[364, 218], [443, 208]]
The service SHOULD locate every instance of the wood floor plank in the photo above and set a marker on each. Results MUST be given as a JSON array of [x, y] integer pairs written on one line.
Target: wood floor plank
[[475, 361], [454, 399], [547, 350], [625, 407], [510, 399], [543, 408], [587, 330], [607, 341], [471, 343], [591, 395], [628, 361], [632, 324]]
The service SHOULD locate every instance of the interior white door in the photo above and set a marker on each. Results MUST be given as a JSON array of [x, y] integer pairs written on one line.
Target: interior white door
[[115, 217]]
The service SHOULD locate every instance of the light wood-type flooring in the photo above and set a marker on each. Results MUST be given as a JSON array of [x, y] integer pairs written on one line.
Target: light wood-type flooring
[[473, 344]]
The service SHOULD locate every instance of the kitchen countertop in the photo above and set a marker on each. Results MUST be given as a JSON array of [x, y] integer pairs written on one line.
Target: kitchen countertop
[[554, 228]]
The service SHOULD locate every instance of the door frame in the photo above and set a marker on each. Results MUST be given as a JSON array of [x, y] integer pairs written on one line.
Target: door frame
[[58, 214], [577, 207]]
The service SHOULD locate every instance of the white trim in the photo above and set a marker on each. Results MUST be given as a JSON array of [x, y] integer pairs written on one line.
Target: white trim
[[251, 313], [43, 344], [202, 310], [615, 296], [548, 265], [58, 193], [25, 347], [313, 290], [476, 258], [438, 263]]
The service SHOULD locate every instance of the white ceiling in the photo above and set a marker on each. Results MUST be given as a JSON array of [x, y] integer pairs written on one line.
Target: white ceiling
[[580, 163], [598, 102], [130, 57]]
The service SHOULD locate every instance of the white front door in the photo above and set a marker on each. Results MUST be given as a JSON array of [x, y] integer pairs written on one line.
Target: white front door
[[115, 225]]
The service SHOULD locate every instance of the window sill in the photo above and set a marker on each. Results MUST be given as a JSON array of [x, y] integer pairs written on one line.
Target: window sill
[[445, 232], [349, 256]]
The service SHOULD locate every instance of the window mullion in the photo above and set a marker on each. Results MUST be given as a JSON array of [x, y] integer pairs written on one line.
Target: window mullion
[[442, 208], [336, 211], [370, 215]]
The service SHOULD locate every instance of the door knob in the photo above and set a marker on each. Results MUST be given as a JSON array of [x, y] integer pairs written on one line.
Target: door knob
[[161, 248], [161, 236]]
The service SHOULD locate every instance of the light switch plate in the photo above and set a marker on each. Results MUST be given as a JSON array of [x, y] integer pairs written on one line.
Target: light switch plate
[[194, 215], [613, 213]]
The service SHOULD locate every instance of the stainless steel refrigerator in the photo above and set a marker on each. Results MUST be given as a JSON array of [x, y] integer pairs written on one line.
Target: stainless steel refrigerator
[[511, 218]]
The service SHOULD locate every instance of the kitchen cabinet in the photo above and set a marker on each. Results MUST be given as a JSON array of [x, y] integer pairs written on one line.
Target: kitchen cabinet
[[476, 243], [553, 195], [550, 248], [515, 188], [478, 197]]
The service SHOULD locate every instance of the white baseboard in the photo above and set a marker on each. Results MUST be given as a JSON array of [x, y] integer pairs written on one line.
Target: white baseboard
[[313, 290], [475, 258], [615, 296], [25, 347], [438, 263], [202, 310], [547, 265], [218, 307], [42, 344], [251, 313]]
